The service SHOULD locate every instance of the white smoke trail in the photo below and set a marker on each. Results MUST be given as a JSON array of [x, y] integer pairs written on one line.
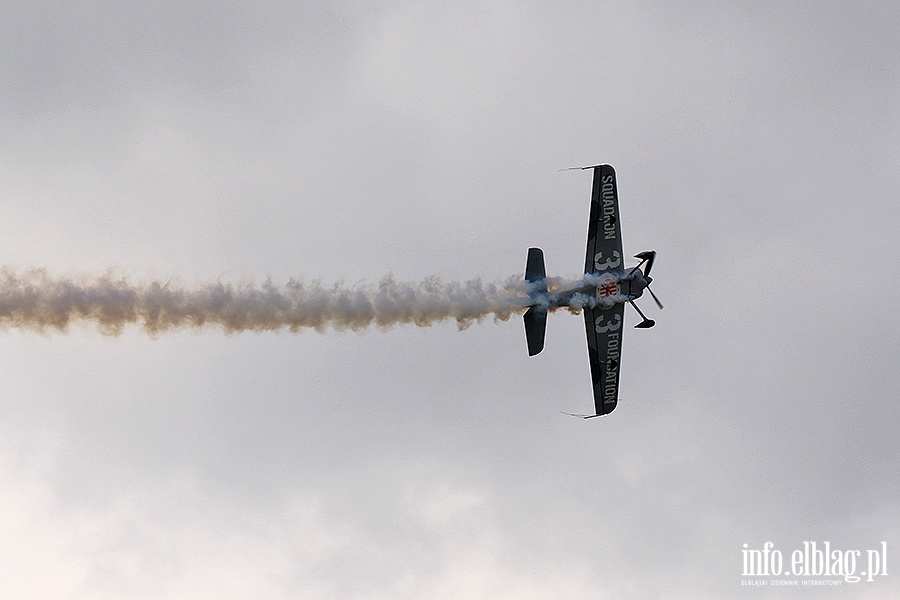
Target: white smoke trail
[[35, 300]]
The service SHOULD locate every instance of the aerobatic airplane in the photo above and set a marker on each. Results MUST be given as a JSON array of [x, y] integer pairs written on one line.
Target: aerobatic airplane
[[601, 296]]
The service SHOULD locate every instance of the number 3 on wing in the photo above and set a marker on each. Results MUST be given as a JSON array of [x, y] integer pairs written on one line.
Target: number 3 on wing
[[610, 325], [610, 263]]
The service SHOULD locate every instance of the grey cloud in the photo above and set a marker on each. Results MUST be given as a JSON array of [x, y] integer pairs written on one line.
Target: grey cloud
[[755, 151]]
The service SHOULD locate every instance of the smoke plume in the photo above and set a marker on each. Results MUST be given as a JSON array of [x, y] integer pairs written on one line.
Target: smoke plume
[[37, 301]]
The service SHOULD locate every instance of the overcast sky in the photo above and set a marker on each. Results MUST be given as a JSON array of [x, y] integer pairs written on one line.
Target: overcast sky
[[756, 146]]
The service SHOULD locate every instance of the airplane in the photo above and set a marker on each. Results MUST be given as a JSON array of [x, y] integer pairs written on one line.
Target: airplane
[[602, 294]]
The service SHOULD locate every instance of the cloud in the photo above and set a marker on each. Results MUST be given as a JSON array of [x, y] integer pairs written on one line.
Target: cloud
[[756, 153]]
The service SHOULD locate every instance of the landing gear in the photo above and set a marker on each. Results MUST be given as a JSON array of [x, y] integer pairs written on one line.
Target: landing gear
[[646, 323]]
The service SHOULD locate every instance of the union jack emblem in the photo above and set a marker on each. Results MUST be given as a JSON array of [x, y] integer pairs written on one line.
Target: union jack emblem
[[605, 290]]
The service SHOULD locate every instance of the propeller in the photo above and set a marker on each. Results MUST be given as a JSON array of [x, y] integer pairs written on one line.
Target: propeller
[[649, 256], [658, 303]]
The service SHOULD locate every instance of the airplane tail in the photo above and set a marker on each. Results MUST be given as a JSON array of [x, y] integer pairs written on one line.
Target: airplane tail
[[536, 317]]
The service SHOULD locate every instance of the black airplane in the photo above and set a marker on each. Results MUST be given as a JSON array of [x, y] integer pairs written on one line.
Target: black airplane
[[601, 296]]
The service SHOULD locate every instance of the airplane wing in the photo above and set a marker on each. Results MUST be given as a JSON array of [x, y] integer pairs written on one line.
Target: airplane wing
[[604, 245], [604, 338], [604, 255]]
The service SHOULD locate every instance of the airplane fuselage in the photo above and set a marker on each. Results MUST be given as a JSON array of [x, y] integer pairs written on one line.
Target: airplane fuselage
[[608, 289]]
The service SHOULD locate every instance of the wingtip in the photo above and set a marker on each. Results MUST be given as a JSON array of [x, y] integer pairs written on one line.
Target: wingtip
[[582, 168], [580, 416]]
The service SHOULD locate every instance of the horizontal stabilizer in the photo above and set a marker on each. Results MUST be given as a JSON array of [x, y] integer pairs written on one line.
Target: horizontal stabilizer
[[536, 317], [534, 267], [535, 327]]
